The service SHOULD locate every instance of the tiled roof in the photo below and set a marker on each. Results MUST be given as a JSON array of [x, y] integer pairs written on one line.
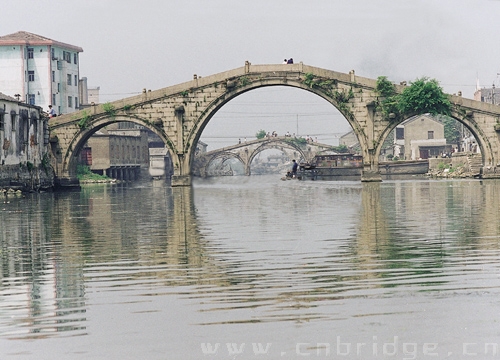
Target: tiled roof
[[7, 97], [26, 38]]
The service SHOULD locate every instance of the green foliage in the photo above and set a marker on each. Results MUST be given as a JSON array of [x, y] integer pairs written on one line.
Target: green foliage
[[184, 93], [343, 97], [297, 141], [309, 79], [109, 109], [261, 134], [30, 166], [389, 103], [384, 87], [452, 129], [341, 149], [127, 107], [83, 173], [84, 122], [442, 166], [423, 96], [46, 163], [244, 81]]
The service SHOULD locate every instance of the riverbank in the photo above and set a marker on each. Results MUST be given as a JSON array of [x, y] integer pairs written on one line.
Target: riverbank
[[459, 172], [25, 178], [458, 166]]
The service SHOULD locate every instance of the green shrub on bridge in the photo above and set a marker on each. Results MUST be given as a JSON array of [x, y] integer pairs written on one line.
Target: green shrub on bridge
[[261, 134], [423, 96]]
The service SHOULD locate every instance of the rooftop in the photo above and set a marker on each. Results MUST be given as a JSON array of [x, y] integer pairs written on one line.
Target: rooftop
[[7, 97], [27, 38]]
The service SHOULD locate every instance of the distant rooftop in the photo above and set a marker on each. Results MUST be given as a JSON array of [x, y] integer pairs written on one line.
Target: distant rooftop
[[26, 38], [7, 97]]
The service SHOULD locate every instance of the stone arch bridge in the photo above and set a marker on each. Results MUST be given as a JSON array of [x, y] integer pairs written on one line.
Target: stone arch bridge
[[179, 113], [247, 151]]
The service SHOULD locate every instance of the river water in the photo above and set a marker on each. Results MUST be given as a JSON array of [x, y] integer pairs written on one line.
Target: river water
[[253, 267]]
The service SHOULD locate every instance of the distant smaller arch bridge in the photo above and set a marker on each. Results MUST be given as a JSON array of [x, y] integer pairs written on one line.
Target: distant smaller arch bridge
[[246, 152]]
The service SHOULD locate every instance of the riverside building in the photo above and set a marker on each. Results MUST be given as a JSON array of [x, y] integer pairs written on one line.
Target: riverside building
[[40, 71]]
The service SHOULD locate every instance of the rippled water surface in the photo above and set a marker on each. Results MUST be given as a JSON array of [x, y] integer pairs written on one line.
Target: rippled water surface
[[253, 267]]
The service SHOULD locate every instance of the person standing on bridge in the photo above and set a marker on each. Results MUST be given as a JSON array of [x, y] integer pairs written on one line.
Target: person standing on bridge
[[294, 168]]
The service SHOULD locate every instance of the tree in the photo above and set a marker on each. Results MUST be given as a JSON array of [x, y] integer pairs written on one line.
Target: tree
[[341, 149], [423, 96], [261, 134], [452, 129]]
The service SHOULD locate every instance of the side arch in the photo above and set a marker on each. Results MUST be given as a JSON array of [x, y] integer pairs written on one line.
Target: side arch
[[222, 155], [70, 158], [484, 144], [272, 145]]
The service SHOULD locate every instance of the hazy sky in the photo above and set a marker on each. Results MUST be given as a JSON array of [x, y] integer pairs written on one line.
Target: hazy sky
[[131, 45]]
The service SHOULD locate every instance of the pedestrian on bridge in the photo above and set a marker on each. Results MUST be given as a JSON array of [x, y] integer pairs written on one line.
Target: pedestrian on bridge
[[52, 112]]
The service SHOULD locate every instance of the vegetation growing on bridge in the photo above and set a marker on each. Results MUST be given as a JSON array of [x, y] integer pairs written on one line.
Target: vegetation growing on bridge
[[84, 122], [329, 86], [423, 96], [341, 149], [109, 109], [261, 134], [299, 141]]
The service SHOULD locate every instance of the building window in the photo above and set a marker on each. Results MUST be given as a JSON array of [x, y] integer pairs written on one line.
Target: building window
[[2, 127], [430, 134], [400, 133], [53, 76], [76, 102], [31, 99], [76, 80], [53, 99], [70, 101], [58, 87], [69, 79], [75, 58], [31, 75], [12, 122], [53, 53], [67, 56], [59, 65], [30, 53]]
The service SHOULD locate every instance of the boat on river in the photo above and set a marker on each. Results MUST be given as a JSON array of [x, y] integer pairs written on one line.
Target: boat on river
[[334, 166]]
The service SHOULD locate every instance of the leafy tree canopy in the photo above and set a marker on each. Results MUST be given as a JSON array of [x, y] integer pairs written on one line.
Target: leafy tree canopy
[[423, 96], [341, 149], [261, 134]]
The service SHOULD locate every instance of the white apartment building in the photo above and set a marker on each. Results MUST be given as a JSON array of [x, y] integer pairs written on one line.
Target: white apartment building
[[40, 71]]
